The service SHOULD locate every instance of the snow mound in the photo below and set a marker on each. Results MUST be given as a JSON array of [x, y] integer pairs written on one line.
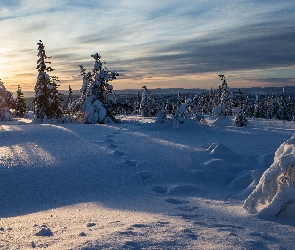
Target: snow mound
[[275, 191], [221, 151]]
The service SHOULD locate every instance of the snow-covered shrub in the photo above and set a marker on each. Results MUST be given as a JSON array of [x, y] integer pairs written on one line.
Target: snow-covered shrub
[[5, 114], [276, 188], [240, 119], [166, 118], [6, 102], [189, 110]]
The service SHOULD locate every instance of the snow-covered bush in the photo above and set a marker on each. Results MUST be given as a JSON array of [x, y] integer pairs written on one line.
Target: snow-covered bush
[[5, 114], [240, 119], [167, 119], [276, 188], [6, 102], [189, 110]]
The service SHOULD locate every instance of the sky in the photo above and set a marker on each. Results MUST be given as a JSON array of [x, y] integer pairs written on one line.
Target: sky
[[159, 44]]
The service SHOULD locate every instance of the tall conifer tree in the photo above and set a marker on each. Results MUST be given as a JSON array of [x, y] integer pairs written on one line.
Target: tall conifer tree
[[47, 99]]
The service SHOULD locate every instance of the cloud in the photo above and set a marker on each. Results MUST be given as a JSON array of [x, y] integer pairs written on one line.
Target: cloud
[[149, 40]]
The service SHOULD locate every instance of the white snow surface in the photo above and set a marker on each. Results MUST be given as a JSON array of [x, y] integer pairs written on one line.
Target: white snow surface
[[141, 185]]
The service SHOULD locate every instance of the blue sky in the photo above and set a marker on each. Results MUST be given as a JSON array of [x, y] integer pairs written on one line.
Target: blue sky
[[160, 44]]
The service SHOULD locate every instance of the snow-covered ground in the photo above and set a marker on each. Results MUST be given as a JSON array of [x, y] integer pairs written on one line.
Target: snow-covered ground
[[139, 185]]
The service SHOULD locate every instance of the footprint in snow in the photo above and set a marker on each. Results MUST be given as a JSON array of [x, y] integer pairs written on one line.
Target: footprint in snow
[[131, 163], [112, 145], [109, 140], [190, 216], [139, 225], [131, 245], [119, 153], [162, 223], [97, 141], [110, 136], [189, 233], [160, 189], [145, 175], [187, 208], [227, 226], [176, 201]]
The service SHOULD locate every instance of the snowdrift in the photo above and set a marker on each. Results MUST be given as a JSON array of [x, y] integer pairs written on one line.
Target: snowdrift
[[275, 192]]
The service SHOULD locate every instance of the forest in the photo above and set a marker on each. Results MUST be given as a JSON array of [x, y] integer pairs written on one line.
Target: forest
[[97, 102]]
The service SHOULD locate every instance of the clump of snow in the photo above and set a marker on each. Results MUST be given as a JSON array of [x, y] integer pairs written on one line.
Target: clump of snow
[[276, 189]]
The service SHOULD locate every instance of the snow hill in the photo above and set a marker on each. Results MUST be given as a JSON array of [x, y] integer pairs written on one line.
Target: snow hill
[[141, 185]]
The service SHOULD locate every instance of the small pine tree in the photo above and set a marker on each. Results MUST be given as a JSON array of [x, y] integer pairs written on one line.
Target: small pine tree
[[282, 112], [180, 99], [145, 104], [137, 104], [258, 108], [70, 95], [20, 103]]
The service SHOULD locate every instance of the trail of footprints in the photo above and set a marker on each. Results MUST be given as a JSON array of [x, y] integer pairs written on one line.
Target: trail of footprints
[[186, 212]]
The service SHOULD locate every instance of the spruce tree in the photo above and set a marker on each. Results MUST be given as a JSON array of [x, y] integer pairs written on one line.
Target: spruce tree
[[137, 104], [97, 101], [145, 104], [47, 99], [258, 108], [20, 103], [282, 112], [70, 95]]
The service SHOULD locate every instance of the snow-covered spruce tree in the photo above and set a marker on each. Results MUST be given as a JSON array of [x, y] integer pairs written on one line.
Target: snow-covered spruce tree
[[70, 95], [20, 103], [6, 103], [47, 99], [137, 104], [180, 99], [248, 108], [258, 108], [145, 104], [222, 100], [290, 109], [282, 112], [97, 101]]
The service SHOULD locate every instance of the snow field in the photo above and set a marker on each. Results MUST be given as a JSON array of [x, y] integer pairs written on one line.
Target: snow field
[[137, 186]]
